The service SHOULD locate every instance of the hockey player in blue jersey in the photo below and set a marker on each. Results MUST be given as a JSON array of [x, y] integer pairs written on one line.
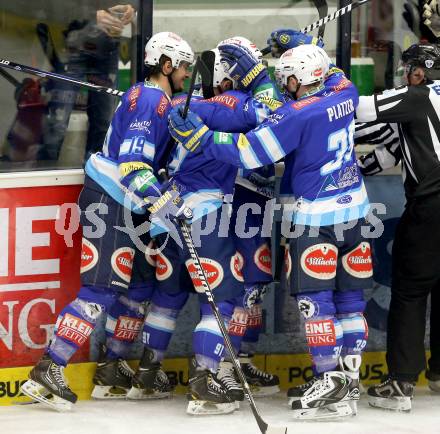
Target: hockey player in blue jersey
[[332, 260], [203, 183], [115, 276]]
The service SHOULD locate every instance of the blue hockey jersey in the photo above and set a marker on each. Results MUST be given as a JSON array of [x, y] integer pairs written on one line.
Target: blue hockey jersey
[[136, 146], [314, 135]]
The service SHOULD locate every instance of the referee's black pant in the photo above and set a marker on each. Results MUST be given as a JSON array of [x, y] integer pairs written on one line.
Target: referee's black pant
[[416, 274]]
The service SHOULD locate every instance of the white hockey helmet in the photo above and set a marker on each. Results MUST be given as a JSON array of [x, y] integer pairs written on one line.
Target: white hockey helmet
[[308, 63], [241, 40], [219, 73], [168, 44]]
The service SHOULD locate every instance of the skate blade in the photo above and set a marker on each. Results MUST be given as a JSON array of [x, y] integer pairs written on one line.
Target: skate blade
[[237, 405], [434, 386], [39, 393], [109, 392], [144, 394], [259, 391], [395, 404], [330, 411], [354, 408], [201, 408]]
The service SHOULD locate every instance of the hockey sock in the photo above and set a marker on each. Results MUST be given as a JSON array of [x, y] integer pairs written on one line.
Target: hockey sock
[[124, 321], [208, 342], [323, 330], [237, 327], [160, 322], [350, 306], [77, 320], [253, 328]]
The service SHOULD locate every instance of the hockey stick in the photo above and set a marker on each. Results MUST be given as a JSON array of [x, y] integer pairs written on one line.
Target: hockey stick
[[9, 77], [4, 63], [322, 7], [325, 20]]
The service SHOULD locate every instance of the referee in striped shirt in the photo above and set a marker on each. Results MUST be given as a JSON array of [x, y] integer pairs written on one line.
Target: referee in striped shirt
[[414, 110]]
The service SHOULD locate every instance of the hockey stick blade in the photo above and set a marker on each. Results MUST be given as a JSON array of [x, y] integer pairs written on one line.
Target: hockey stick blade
[[4, 63], [325, 20]]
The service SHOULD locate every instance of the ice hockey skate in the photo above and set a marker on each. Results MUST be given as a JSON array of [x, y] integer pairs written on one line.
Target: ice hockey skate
[[327, 398], [261, 383], [207, 395], [226, 376], [350, 365], [48, 385], [391, 394], [297, 392], [112, 379], [433, 381], [149, 381]]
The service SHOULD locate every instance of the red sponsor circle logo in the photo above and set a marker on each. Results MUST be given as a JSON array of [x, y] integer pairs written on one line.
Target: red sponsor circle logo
[[238, 323], [74, 329], [358, 262], [164, 268], [320, 333], [263, 259], [298, 105], [122, 262], [151, 253], [213, 271], [287, 261], [317, 72], [319, 261], [89, 256], [127, 328], [255, 317], [162, 106], [236, 264], [133, 97], [226, 100]]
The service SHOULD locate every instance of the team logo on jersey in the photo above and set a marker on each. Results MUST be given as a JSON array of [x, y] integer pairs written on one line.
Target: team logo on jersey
[[151, 253], [344, 200], [307, 307], [263, 259], [164, 269], [74, 329], [251, 295], [236, 265], [162, 106], [92, 310], [89, 256], [213, 272], [122, 262], [319, 261], [133, 97], [320, 333], [429, 63], [358, 262], [298, 105], [127, 328], [287, 262], [238, 322]]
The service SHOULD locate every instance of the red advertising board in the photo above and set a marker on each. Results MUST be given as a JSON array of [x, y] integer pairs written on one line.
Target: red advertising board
[[39, 271]]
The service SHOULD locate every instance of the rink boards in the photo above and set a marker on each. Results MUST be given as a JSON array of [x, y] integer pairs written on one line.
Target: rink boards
[[292, 369]]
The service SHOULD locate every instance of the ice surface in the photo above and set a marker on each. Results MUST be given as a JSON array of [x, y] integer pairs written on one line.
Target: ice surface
[[168, 417]]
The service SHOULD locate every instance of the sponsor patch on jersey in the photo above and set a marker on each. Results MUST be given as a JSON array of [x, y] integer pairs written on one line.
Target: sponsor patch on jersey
[[129, 167], [358, 262], [255, 317], [344, 200], [178, 100], [151, 254], [319, 261], [263, 259], [236, 265], [222, 138], [89, 256], [133, 97], [238, 322], [164, 269], [127, 328], [226, 100], [143, 126], [162, 106], [74, 329], [122, 262], [307, 307], [213, 272], [320, 333], [343, 84], [298, 105], [287, 262]]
